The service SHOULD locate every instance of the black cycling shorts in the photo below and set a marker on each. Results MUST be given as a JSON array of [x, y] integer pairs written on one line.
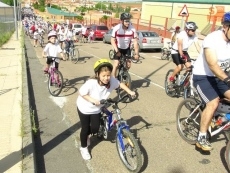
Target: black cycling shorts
[[125, 52], [49, 61], [177, 59]]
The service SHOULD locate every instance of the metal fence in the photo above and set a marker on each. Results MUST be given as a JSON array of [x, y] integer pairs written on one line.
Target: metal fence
[[6, 20]]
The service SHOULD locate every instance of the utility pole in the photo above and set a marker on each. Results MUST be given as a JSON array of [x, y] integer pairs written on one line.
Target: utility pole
[[15, 20]]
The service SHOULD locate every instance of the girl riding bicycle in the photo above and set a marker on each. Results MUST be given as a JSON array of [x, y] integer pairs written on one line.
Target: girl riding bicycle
[[88, 102], [52, 49]]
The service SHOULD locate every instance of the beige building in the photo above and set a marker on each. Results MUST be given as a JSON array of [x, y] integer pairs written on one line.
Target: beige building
[[203, 12]]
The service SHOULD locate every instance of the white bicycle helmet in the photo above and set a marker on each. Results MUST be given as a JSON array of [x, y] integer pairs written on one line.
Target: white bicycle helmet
[[191, 25], [52, 34]]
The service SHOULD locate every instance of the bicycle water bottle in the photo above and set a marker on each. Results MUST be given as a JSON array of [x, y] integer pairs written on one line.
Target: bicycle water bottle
[[223, 119]]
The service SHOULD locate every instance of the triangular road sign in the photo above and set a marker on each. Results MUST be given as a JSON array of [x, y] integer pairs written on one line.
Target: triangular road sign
[[184, 12]]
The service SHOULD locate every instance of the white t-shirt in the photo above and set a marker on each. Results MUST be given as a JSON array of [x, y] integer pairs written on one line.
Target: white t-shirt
[[83, 31], [91, 33], [36, 35], [187, 41], [94, 90], [215, 42], [69, 34], [61, 35], [52, 49], [123, 37]]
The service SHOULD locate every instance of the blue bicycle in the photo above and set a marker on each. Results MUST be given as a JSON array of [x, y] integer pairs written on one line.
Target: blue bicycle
[[127, 146]]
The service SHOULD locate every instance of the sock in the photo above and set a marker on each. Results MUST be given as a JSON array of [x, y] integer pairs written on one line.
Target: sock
[[201, 134]]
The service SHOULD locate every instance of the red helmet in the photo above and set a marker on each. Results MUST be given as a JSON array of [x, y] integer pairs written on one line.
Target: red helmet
[[177, 27]]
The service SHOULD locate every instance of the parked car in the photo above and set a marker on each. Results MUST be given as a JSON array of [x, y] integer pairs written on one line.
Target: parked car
[[107, 36], [149, 40], [77, 27], [99, 31]]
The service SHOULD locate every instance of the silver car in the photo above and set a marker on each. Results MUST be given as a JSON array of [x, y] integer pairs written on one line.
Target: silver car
[[107, 36], [149, 40]]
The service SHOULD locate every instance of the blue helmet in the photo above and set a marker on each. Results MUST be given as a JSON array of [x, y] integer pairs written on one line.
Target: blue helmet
[[226, 19]]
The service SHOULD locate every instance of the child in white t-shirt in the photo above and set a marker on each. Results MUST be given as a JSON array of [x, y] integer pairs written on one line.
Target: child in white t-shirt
[[88, 102], [52, 49], [90, 37], [36, 35]]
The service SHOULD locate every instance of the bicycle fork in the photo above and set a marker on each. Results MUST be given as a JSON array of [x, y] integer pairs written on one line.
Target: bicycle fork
[[120, 135]]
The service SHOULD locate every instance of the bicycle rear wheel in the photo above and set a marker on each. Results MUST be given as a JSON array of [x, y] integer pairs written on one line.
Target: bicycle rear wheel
[[188, 117], [164, 53], [74, 56], [129, 151], [170, 89], [55, 83]]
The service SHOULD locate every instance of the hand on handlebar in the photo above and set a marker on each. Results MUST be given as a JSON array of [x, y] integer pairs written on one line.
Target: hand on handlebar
[[96, 102], [183, 57]]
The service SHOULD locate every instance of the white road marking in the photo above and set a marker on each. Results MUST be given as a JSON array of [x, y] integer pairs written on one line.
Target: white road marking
[[156, 57], [130, 71], [60, 101]]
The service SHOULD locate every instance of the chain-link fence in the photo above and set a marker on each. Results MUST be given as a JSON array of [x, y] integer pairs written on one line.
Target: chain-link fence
[[6, 20]]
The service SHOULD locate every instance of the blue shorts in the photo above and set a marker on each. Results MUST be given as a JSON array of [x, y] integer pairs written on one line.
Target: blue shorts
[[209, 87]]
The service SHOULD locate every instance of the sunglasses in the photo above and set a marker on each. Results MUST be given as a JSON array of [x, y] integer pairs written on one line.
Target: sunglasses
[[193, 30], [127, 21]]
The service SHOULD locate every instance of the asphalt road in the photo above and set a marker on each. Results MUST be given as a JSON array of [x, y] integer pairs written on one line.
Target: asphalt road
[[163, 150]]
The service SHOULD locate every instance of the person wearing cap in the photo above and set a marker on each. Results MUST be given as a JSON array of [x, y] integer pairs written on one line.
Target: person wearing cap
[[175, 34], [52, 49], [209, 77], [91, 92]]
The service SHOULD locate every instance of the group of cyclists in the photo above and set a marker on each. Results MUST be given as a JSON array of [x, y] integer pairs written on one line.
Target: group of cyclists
[[209, 78]]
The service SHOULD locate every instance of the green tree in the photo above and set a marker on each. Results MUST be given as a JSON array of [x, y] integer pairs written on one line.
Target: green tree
[[9, 2], [100, 6], [110, 7], [42, 3], [127, 9]]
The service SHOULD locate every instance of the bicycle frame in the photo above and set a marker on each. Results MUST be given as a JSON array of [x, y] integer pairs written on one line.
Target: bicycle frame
[[212, 133], [120, 124]]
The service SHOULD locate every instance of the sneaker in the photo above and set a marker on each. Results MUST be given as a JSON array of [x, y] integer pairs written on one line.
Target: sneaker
[[85, 153], [204, 144], [88, 141], [171, 79]]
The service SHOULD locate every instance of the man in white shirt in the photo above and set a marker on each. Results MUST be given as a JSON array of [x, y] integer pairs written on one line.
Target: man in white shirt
[[179, 50], [209, 77]]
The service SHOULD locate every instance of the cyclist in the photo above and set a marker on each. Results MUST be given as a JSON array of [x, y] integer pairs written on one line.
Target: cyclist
[[88, 102], [179, 50], [61, 36], [52, 49], [175, 34], [122, 36], [69, 37], [209, 77], [36, 35]]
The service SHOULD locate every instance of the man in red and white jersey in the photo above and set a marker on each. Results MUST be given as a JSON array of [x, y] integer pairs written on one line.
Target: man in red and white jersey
[[122, 36]]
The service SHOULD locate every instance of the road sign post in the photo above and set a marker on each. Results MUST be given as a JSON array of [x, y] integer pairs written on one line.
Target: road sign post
[[183, 13]]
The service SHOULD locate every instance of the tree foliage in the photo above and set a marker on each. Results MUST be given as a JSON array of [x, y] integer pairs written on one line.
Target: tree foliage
[[9, 2]]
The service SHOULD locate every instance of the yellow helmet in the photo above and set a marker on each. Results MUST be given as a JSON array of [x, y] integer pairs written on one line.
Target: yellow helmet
[[102, 63]]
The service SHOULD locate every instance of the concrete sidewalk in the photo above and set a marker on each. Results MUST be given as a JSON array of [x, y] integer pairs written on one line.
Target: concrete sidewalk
[[15, 125]]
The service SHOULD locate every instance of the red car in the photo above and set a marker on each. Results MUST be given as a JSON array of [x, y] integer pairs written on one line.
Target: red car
[[99, 31]]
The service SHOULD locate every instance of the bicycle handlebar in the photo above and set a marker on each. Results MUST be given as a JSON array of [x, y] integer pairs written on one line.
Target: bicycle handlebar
[[106, 101]]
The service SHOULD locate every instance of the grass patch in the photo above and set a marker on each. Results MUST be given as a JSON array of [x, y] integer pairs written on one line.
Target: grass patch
[[5, 37], [34, 127]]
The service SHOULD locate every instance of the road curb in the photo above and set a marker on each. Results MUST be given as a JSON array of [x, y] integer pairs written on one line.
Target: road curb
[[29, 159]]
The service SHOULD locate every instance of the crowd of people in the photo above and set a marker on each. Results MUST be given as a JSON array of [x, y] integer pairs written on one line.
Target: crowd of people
[[209, 77]]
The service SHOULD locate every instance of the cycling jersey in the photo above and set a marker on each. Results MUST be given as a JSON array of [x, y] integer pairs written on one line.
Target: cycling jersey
[[215, 42], [69, 34], [187, 42], [123, 37]]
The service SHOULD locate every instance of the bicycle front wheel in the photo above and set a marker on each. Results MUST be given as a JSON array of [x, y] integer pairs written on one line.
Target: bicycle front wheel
[[55, 83], [74, 56], [125, 78], [129, 151], [111, 54], [170, 86], [188, 117]]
